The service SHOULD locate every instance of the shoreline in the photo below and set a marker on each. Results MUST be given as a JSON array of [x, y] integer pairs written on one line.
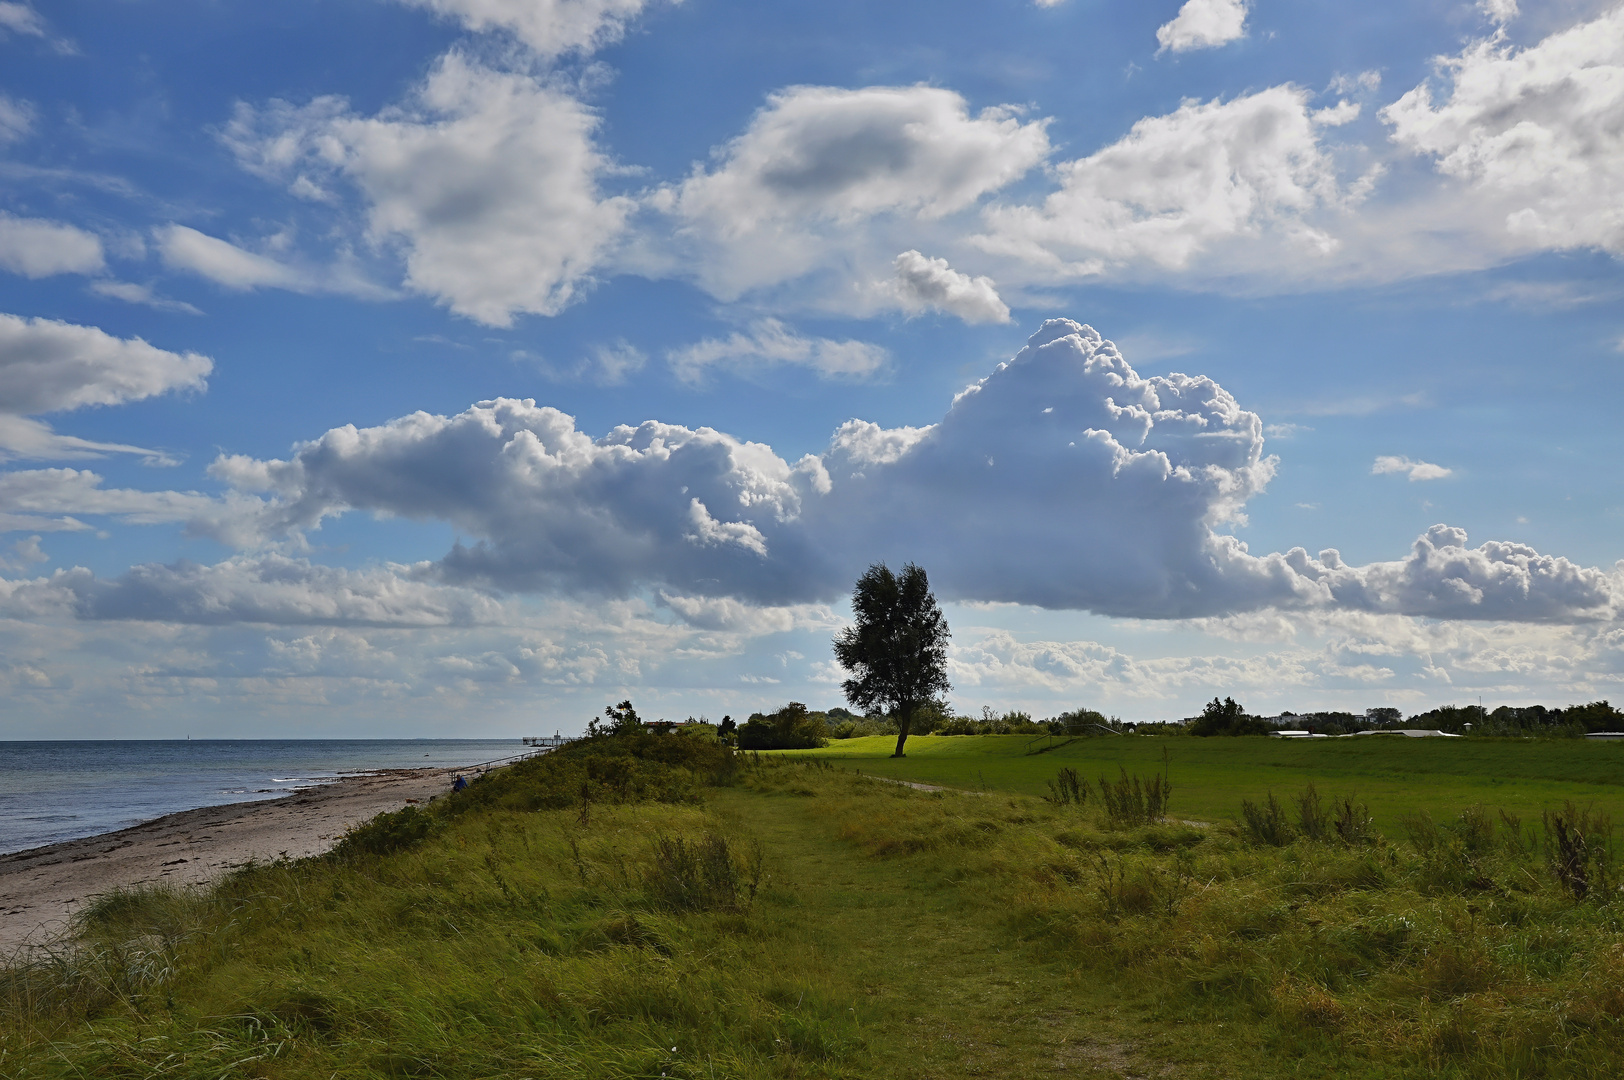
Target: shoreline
[[41, 887]]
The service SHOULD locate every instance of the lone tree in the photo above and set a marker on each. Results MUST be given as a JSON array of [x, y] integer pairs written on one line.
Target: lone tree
[[897, 650]]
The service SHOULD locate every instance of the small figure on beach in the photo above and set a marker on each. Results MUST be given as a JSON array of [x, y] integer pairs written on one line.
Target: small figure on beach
[[459, 783]]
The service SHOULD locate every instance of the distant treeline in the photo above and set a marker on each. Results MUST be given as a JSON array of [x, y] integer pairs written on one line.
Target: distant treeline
[[795, 727], [1226, 717]]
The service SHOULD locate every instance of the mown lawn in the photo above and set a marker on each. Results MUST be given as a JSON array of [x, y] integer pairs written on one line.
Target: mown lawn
[[1210, 777]]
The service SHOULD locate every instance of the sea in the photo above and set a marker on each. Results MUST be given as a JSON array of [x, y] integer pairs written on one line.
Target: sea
[[55, 791]]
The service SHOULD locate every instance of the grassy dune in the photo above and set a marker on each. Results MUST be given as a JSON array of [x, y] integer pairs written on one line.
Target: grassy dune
[[1395, 775], [647, 908]]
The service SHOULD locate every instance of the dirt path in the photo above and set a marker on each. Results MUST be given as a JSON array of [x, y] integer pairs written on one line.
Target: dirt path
[[40, 888]]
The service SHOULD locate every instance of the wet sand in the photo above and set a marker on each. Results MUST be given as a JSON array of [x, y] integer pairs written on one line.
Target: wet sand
[[41, 888]]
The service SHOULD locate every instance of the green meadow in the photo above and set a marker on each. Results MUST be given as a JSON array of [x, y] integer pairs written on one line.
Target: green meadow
[[655, 906], [1210, 777]]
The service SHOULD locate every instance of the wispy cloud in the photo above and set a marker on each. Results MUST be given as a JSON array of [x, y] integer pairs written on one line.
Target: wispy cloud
[[769, 343]]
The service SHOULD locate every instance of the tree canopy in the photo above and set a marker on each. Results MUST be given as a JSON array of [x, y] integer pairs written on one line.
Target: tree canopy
[[790, 728], [1227, 717], [896, 648], [622, 720]]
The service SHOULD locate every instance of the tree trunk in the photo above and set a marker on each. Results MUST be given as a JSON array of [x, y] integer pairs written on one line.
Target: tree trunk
[[904, 722]]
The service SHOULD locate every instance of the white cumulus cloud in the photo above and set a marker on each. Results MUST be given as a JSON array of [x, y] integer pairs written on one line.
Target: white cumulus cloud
[[1064, 479], [49, 366], [1534, 137], [553, 507], [1444, 578], [36, 247], [1246, 171], [857, 443], [550, 27], [486, 179], [1203, 24], [922, 283], [818, 165], [1416, 470]]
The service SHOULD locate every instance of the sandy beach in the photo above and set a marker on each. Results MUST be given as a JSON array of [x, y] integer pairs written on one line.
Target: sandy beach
[[40, 888]]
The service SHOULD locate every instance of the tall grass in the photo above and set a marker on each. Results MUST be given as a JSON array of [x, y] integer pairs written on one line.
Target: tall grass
[[489, 935], [1472, 948], [521, 931]]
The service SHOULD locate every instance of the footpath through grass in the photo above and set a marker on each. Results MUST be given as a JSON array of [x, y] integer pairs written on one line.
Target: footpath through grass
[[1395, 775], [656, 907]]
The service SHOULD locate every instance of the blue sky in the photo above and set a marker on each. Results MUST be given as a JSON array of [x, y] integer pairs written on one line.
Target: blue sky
[[398, 367]]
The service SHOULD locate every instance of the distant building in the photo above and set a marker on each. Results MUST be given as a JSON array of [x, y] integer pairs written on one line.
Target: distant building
[[1416, 733]]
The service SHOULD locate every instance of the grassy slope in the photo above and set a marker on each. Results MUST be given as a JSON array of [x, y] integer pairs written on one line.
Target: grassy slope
[[1210, 777], [496, 949], [896, 934]]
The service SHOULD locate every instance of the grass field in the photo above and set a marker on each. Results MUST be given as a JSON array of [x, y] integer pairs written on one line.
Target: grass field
[[653, 908], [1210, 777]]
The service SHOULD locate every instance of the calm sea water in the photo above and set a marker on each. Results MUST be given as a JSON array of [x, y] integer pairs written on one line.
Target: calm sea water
[[52, 791]]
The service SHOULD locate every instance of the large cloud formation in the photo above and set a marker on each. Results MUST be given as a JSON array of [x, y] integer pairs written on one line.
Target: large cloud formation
[[1064, 479]]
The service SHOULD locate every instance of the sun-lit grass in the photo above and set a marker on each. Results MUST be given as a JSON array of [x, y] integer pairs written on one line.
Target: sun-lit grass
[[684, 914], [1395, 775]]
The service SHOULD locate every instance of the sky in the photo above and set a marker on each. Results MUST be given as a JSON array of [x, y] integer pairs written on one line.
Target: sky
[[391, 368]]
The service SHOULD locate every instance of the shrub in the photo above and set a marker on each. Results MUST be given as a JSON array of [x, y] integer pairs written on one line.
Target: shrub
[[1130, 801], [790, 728], [1312, 820], [635, 767], [387, 833], [1266, 824], [702, 875], [1352, 822], [1067, 789], [1082, 722], [1579, 849]]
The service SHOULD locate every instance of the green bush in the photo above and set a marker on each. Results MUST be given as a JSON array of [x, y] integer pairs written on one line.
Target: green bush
[[790, 728], [387, 833]]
